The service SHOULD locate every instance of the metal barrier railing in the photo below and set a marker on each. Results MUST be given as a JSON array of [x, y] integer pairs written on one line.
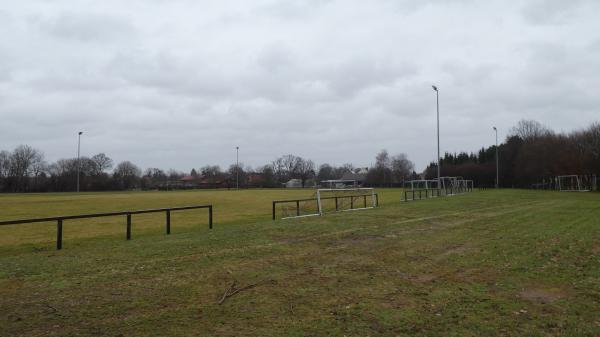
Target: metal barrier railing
[[59, 219], [421, 194]]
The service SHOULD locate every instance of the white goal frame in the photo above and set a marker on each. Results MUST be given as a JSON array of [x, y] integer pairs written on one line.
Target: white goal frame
[[571, 176], [373, 198], [335, 182], [429, 184]]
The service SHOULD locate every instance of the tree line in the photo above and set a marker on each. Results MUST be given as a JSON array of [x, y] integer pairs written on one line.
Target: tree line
[[531, 154], [25, 170]]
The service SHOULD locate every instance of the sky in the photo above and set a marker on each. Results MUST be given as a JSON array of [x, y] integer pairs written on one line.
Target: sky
[[179, 84]]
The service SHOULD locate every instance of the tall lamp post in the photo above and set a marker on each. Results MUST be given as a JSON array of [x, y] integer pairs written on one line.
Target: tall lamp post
[[497, 176], [437, 101], [78, 162], [237, 168]]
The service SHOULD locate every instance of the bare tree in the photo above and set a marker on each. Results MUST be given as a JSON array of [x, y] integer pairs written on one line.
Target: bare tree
[[305, 169], [401, 167], [239, 172], [102, 163], [381, 173], [285, 167], [268, 176], [326, 172], [529, 130], [382, 160], [4, 164], [22, 162], [4, 168], [126, 175], [154, 178], [212, 173]]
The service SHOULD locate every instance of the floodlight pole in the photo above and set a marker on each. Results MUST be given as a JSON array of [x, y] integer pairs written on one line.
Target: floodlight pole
[[437, 101], [78, 162], [497, 175], [237, 168]]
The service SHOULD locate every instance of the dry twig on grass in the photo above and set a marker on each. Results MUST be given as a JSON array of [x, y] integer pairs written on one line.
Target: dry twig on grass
[[232, 290]]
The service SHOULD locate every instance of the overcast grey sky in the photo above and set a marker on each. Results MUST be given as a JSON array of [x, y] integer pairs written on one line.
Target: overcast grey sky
[[181, 83]]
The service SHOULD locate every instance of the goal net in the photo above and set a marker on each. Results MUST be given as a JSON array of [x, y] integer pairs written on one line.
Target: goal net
[[298, 208], [571, 183], [345, 199], [421, 184], [325, 201], [455, 185], [339, 183]]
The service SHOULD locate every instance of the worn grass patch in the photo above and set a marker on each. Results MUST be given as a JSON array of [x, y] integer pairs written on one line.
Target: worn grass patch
[[494, 263]]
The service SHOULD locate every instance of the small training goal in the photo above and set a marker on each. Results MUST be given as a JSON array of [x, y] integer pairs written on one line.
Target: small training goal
[[345, 199], [326, 200], [571, 183]]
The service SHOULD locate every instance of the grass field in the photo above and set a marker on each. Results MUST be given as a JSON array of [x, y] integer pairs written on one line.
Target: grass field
[[493, 263]]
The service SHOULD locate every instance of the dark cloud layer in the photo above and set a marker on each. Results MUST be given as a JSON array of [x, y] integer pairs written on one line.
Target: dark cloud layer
[[181, 83]]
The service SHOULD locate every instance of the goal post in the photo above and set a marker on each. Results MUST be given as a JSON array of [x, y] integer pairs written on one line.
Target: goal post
[[570, 183], [339, 184], [326, 200], [345, 199]]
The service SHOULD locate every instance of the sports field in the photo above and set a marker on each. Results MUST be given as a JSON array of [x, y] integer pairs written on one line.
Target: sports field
[[492, 263]]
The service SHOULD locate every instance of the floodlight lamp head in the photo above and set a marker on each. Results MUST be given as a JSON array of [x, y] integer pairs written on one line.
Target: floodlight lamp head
[[495, 129], [434, 87], [80, 133]]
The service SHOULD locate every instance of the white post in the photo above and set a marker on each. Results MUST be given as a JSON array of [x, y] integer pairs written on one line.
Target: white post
[[78, 162], [373, 199], [237, 168], [319, 202]]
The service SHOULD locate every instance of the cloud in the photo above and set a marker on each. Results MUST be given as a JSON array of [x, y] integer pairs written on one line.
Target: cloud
[[181, 83], [87, 27], [555, 12]]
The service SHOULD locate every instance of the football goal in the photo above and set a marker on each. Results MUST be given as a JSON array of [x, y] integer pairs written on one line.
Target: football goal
[[345, 199], [571, 183], [421, 184], [455, 185], [339, 183], [326, 200]]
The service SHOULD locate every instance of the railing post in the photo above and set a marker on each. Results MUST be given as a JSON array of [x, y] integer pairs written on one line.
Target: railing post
[[273, 210], [377, 200], [297, 207], [413, 193], [210, 217], [351, 202], [59, 224], [168, 221], [128, 227], [336, 204], [365, 200]]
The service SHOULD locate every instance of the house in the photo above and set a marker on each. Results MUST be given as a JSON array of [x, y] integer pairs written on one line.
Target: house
[[359, 175], [297, 183], [293, 183], [201, 182], [189, 181], [255, 179]]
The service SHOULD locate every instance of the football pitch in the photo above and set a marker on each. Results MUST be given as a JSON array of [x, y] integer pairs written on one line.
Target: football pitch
[[487, 263]]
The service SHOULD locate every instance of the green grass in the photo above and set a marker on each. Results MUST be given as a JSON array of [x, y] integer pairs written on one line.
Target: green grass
[[494, 263]]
